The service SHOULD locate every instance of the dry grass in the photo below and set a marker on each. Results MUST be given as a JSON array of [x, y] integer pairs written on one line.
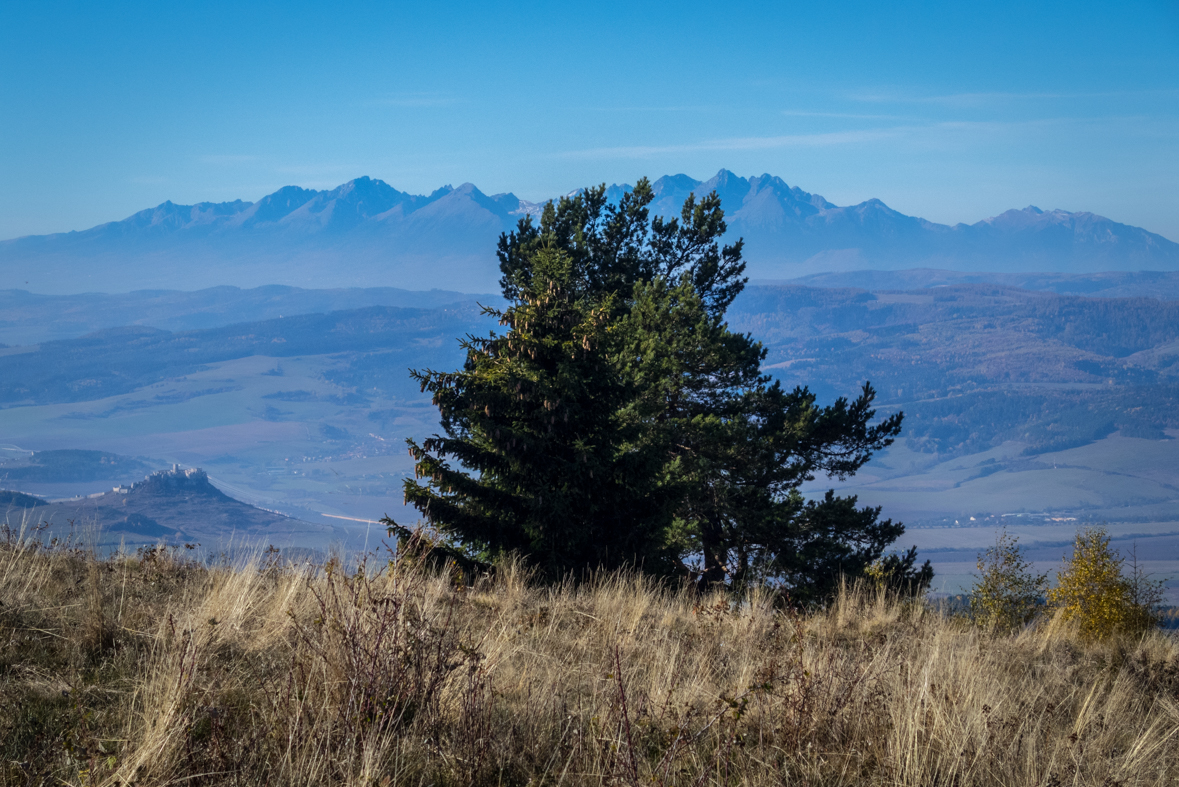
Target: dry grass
[[151, 670]]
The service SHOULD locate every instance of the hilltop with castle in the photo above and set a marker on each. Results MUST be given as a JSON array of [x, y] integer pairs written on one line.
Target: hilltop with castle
[[191, 480]]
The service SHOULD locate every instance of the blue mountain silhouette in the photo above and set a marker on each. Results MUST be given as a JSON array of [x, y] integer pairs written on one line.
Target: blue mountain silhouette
[[367, 233]]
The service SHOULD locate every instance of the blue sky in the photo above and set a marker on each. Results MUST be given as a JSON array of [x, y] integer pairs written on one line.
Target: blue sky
[[951, 111]]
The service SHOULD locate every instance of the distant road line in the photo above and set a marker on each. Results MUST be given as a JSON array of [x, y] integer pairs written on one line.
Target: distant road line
[[352, 519]]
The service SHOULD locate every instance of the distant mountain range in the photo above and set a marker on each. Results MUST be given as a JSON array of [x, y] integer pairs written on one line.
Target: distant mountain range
[[365, 233]]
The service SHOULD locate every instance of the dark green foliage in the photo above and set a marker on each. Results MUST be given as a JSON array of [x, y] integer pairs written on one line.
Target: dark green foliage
[[537, 412], [613, 247], [833, 539], [620, 422], [1007, 594], [900, 574]]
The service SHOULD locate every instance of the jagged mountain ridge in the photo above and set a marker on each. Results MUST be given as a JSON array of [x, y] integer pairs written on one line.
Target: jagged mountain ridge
[[293, 208], [368, 233]]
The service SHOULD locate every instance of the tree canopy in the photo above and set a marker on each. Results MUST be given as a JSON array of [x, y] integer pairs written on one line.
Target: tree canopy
[[618, 421]]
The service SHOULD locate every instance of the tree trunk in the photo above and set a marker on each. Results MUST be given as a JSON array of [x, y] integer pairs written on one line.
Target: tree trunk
[[712, 543]]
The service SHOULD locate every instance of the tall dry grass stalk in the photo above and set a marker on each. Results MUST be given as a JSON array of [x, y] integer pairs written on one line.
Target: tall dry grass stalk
[[298, 675]]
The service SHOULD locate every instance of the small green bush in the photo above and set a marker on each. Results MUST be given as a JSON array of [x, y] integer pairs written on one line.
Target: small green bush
[[1007, 594]]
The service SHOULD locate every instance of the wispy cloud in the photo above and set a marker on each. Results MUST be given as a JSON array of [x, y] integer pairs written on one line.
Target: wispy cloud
[[693, 108], [991, 98], [923, 133], [219, 158], [840, 115], [414, 100], [734, 144]]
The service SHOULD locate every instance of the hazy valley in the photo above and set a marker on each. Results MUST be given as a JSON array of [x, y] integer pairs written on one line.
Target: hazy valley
[[1026, 408]]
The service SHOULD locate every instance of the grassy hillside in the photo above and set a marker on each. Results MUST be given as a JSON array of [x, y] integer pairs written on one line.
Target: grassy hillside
[[152, 670]]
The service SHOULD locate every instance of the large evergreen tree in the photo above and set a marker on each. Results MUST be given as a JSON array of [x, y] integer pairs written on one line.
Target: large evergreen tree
[[617, 421]]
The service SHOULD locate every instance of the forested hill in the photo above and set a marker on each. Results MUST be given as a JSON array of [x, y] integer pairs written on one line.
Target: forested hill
[[976, 365]]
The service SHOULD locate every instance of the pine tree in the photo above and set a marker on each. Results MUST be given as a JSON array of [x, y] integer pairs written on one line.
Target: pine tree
[[619, 421], [743, 446], [535, 413]]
